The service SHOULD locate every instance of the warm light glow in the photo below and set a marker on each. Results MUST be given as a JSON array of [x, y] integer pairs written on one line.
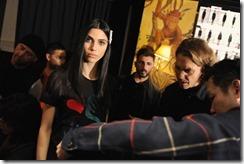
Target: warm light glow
[[164, 52]]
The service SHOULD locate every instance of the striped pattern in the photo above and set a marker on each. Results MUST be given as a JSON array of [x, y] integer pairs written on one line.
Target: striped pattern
[[190, 146], [206, 136], [132, 127], [99, 139], [170, 136], [205, 131]]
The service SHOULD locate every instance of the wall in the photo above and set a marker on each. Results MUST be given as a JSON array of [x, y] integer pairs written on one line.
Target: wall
[[7, 39]]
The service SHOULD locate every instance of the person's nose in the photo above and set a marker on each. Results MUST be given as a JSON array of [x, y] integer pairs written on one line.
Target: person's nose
[[93, 46], [181, 74], [143, 65], [21, 53]]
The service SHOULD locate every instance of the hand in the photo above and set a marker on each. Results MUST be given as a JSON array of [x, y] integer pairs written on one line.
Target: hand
[[61, 153]]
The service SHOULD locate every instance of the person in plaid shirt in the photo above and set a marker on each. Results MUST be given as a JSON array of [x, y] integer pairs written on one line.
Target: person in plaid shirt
[[197, 136]]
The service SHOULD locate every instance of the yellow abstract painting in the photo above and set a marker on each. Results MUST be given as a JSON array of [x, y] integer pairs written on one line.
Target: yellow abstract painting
[[164, 24]]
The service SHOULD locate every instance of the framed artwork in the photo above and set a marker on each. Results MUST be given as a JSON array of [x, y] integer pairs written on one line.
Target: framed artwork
[[221, 29], [165, 23]]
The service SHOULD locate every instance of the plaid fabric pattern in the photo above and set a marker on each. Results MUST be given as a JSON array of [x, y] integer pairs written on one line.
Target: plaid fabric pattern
[[199, 136]]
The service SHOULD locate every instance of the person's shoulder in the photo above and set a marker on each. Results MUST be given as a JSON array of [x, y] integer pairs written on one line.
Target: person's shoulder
[[57, 80], [172, 87], [57, 75], [123, 77], [120, 79], [227, 121], [232, 113]]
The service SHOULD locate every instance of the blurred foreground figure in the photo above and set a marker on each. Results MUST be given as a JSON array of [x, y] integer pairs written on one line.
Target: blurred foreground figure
[[19, 124]]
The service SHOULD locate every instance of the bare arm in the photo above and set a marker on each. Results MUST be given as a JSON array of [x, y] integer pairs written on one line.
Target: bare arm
[[45, 132]]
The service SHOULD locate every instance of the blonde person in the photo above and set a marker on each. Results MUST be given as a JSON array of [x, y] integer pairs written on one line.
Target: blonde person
[[188, 94]]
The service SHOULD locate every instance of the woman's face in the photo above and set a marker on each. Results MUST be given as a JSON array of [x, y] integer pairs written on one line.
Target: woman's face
[[187, 72], [95, 45]]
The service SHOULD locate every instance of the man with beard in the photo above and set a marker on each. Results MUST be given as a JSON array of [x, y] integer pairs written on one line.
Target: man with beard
[[21, 69], [56, 58], [138, 97]]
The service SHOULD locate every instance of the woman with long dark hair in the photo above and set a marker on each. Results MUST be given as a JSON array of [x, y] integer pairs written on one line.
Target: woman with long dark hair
[[78, 95]]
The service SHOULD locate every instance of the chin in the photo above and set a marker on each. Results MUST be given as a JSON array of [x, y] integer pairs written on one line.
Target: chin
[[92, 60], [143, 75], [185, 86], [19, 66]]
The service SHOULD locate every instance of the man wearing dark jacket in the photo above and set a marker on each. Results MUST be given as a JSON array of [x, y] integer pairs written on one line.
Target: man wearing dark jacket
[[137, 96], [199, 136], [21, 69]]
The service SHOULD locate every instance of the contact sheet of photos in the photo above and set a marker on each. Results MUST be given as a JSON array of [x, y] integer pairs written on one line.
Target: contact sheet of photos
[[221, 29]]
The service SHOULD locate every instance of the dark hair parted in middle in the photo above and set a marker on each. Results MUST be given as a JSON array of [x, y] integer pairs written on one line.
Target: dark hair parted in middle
[[76, 61], [72, 76]]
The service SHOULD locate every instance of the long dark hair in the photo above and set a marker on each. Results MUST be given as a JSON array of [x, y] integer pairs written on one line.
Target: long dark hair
[[74, 72]]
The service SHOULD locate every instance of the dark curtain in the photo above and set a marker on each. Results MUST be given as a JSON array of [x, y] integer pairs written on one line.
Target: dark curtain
[[59, 20], [126, 19], [62, 20], [2, 10]]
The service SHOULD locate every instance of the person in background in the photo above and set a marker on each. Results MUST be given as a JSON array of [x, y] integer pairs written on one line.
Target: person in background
[[138, 97], [21, 69], [198, 136], [56, 58], [78, 95], [20, 117], [188, 94]]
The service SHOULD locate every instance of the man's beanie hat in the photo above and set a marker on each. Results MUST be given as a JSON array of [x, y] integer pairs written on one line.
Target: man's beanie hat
[[35, 43]]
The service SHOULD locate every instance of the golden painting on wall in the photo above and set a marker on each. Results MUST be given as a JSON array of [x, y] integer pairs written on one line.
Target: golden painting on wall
[[165, 23]]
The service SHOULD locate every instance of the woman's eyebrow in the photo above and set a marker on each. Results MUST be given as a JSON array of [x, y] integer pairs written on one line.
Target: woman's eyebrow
[[101, 39]]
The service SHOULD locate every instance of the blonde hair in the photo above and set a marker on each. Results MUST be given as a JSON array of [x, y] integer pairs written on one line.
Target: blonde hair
[[198, 51]]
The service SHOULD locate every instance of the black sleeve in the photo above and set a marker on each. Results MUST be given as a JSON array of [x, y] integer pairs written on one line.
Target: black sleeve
[[52, 93]]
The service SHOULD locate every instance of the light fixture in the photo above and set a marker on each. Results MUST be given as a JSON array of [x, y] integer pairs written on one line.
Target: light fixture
[[164, 52]]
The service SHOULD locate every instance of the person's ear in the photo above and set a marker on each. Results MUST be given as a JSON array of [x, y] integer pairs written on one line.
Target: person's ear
[[236, 85], [48, 56]]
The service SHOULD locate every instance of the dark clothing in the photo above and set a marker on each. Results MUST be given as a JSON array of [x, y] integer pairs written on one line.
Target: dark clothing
[[199, 136], [19, 150], [136, 99], [19, 127], [15, 80], [70, 110], [36, 89], [177, 102]]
